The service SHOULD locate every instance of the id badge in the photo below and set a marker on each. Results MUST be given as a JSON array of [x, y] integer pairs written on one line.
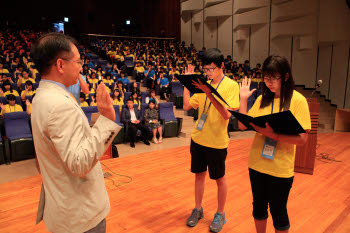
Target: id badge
[[201, 121], [269, 148]]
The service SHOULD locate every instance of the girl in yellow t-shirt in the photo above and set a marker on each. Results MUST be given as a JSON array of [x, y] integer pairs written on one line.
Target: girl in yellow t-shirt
[[7, 89], [271, 174], [83, 102], [11, 106], [118, 99]]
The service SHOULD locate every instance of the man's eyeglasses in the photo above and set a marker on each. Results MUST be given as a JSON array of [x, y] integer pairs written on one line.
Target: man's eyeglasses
[[271, 79], [80, 62], [206, 70]]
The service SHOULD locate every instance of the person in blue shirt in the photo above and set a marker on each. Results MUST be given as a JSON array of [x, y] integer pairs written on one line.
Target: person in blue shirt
[[81, 85], [150, 75], [165, 89], [124, 79], [89, 63]]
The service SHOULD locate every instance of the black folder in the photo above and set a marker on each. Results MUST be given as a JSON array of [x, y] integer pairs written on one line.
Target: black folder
[[281, 122], [186, 80]]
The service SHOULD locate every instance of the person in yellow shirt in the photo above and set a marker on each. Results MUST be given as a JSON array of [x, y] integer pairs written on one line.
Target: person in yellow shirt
[[119, 56], [11, 106], [83, 102], [272, 173], [2, 69], [118, 100], [100, 72], [108, 79], [93, 80], [138, 71], [22, 79], [28, 90], [107, 88], [209, 138], [135, 98], [7, 89]]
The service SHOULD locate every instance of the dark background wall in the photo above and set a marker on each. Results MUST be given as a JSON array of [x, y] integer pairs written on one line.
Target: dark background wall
[[148, 17]]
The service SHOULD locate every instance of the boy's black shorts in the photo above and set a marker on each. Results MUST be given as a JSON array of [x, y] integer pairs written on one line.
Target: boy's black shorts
[[203, 157]]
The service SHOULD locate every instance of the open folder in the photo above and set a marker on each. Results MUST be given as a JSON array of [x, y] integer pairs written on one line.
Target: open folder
[[186, 80], [281, 122]]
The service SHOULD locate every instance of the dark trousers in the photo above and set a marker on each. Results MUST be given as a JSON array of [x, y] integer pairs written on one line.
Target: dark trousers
[[150, 83], [133, 130], [272, 191]]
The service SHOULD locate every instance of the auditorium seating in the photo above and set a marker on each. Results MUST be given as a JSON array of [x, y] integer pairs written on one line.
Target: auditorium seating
[[19, 137], [172, 125]]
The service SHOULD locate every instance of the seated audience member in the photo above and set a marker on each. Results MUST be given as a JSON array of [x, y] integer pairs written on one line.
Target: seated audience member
[[108, 79], [138, 71], [5, 77], [28, 90], [134, 88], [118, 99], [132, 117], [173, 74], [100, 72], [123, 78], [2, 69], [86, 71], [24, 78], [152, 119], [114, 71], [135, 98], [83, 102], [152, 96], [150, 76], [165, 89], [11, 106], [7, 89], [89, 63], [93, 80], [120, 88], [197, 71]]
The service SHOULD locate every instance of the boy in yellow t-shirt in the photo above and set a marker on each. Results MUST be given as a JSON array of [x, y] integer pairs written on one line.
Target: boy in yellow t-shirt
[[209, 136]]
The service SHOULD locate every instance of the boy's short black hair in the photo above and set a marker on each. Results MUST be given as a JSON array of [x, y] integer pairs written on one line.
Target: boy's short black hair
[[82, 95], [213, 55], [152, 101], [28, 83], [11, 97], [130, 100]]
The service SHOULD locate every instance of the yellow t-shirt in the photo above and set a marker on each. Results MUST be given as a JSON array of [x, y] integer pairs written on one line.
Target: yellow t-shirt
[[4, 71], [14, 92], [28, 79], [214, 132], [108, 81], [140, 69], [93, 104], [84, 104], [35, 71], [282, 164], [120, 103], [138, 102], [8, 109], [94, 81], [30, 93]]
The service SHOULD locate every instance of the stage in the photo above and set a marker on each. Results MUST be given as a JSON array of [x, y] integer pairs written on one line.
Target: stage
[[160, 196]]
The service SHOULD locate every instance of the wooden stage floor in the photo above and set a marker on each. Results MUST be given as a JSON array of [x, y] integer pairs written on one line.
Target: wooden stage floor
[[160, 196]]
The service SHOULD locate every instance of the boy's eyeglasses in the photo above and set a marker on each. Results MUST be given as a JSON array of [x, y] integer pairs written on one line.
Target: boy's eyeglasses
[[206, 70]]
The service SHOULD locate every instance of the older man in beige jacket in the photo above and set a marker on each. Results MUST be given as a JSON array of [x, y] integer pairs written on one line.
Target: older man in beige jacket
[[74, 196]]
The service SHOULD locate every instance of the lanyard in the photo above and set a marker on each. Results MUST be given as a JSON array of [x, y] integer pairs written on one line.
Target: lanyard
[[272, 106], [207, 96], [14, 108]]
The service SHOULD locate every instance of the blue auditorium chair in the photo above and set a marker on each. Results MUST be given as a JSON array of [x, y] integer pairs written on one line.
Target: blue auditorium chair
[[172, 125], [120, 136], [19, 136], [89, 111]]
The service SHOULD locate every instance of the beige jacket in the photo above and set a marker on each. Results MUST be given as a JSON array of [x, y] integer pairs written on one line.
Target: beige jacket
[[74, 196]]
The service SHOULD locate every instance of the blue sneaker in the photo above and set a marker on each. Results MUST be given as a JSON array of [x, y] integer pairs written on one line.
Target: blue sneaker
[[218, 222], [195, 217]]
